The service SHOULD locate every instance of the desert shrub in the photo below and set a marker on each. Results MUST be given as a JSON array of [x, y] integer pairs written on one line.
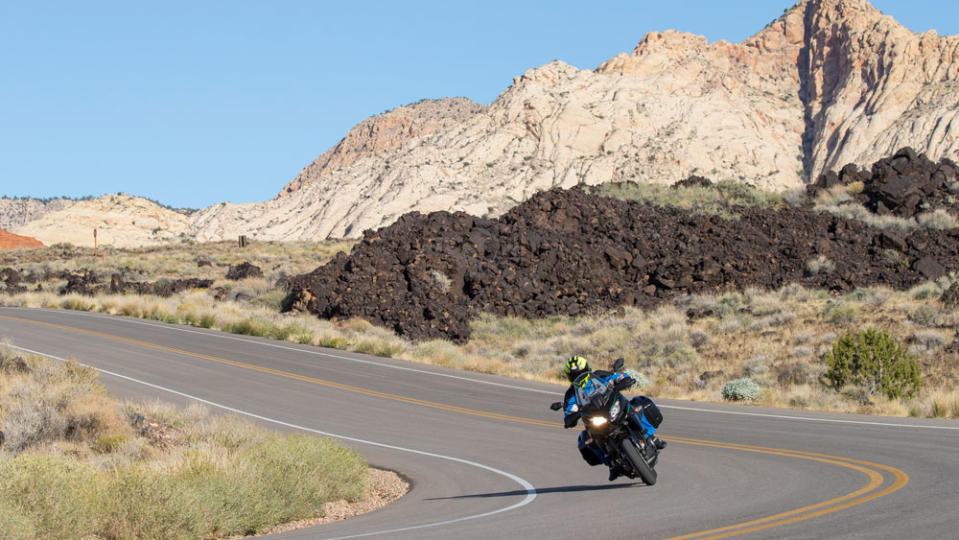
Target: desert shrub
[[757, 365], [839, 313], [698, 338], [439, 352], [641, 380], [207, 320], [729, 325], [927, 342], [670, 353], [741, 390], [729, 304], [819, 265], [799, 372], [938, 220], [743, 194], [925, 315], [333, 341], [30, 417], [378, 347], [938, 408], [875, 361]]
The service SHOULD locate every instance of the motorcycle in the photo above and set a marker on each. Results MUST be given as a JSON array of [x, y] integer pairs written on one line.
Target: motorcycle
[[613, 427]]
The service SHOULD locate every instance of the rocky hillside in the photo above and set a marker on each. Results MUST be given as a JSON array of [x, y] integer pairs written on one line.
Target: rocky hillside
[[569, 252], [14, 241], [17, 211], [121, 220], [828, 83]]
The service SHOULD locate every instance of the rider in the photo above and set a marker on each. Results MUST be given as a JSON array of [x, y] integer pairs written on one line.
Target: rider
[[574, 367]]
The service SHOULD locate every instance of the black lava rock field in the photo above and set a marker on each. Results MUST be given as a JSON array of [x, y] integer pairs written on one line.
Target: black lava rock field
[[571, 252]]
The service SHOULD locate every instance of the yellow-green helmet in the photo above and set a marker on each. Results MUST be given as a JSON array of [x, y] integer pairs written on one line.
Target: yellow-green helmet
[[575, 366]]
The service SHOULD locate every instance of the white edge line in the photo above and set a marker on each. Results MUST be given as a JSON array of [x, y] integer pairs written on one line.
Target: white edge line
[[478, 381], [807, 418], [530, 490]]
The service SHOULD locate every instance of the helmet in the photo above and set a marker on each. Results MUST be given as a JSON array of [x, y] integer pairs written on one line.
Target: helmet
[[575, 366]]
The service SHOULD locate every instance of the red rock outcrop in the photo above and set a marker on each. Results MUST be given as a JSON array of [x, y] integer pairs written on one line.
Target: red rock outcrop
[[9, 240]]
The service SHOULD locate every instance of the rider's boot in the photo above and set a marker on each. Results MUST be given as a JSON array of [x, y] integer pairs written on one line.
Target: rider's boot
[[614, 473], [659, 443]]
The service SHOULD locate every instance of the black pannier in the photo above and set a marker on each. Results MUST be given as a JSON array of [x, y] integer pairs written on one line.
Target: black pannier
[[649, 408]]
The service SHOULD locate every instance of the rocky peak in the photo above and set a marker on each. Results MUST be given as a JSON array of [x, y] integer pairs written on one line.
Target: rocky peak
[[871, 86], [382, 133]]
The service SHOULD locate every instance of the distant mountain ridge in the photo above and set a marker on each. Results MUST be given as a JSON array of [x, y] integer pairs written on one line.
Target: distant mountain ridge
[[121, 220], [830, 82]]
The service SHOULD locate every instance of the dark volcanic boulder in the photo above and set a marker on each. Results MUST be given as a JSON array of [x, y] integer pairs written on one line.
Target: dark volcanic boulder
[[904, 185], [244, 270], [86, 283]]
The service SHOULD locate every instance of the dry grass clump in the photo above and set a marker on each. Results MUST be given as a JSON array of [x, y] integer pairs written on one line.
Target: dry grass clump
[[838, 201], [721, 198], [76, 464]]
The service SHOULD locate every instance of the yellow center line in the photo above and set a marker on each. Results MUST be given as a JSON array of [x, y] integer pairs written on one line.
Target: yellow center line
[[288, 375], [776, 520], [864, 494]]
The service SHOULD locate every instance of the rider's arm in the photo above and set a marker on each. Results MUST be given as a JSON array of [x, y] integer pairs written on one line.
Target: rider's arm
[[571, 412]]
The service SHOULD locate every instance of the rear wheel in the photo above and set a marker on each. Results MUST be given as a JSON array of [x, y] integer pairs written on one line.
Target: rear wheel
[[635, 457]]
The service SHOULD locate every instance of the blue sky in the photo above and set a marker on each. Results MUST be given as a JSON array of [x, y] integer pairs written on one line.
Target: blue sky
[[194, 103]]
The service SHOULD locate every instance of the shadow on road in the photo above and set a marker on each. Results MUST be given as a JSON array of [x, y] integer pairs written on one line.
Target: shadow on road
[[541, 491]]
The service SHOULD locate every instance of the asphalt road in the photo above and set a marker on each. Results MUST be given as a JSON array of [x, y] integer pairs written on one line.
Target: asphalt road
[[488, 459]]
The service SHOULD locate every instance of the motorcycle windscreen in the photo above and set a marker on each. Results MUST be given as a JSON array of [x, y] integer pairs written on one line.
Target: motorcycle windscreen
[[589, 390]]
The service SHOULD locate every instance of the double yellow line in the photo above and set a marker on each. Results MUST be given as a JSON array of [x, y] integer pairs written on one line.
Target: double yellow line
[[868, 492]]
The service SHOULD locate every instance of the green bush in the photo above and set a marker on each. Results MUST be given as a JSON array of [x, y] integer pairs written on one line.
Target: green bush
[[875, 361], [741, 390]]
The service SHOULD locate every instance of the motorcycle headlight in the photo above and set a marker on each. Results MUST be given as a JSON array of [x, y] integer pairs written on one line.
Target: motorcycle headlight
[[615, 409], [597, 421]]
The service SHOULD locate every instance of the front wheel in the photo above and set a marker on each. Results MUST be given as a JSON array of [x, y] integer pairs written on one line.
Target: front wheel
[[635, 457]]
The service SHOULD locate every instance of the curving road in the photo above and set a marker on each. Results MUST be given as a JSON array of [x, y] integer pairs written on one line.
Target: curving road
[[488, 459]]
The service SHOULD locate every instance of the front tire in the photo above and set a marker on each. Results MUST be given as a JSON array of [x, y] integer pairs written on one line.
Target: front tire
[[635, 457]]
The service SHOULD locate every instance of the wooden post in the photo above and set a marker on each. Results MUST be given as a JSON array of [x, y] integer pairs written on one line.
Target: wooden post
[[242, 240], [95, 248]]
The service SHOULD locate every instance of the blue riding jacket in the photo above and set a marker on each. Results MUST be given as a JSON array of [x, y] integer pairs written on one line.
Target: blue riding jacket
[[571, 407]]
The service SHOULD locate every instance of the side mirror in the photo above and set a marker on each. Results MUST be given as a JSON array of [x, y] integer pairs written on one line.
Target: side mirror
[[556, 406], [618, 364]]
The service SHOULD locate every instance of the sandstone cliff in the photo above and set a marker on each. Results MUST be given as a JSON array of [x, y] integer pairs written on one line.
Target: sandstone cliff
[[121, 220]]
